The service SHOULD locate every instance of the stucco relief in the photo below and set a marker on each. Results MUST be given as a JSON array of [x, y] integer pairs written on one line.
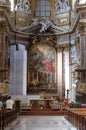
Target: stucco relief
[[23, 5], [45, 23], [61, 6]]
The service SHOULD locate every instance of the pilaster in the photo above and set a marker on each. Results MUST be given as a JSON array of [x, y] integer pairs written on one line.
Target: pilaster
[[4, 44]]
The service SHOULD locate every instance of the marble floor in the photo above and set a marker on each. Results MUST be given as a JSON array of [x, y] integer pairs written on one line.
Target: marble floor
[[41, 123]]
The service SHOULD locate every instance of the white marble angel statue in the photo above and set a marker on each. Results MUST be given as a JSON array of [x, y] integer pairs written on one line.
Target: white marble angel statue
[[35, 22], [44, 27], [19, 4], [66, 4], [26, 5], [46, 23], [58, 5]]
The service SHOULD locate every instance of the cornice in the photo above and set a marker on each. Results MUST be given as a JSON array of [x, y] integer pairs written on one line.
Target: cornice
[[12, 28], [5, 5], [80, 7]]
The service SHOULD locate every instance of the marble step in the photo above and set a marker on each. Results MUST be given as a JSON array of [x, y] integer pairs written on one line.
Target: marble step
[[42, 112]]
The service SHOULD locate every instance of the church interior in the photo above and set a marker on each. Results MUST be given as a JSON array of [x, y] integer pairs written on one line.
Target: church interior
[[42, 56]]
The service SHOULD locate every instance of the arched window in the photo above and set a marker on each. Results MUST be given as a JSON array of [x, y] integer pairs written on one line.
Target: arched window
[[42, 8]]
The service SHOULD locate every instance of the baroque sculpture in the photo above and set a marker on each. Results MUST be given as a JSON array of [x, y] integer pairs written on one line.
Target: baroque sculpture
[[23, 5], [61, 6]]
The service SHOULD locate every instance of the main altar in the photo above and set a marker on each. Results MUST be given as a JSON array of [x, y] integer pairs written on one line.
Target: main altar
[[41, 104], [43, 107]]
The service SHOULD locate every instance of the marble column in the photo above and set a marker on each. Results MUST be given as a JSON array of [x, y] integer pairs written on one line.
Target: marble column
[[18, 70], [63, 74], [60, 74], [66, 67]]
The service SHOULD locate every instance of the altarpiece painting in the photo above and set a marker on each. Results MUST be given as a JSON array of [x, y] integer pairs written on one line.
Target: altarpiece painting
[[41, 69]]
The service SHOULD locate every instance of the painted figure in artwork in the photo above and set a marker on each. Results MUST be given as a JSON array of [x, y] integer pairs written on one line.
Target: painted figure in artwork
[[48, 62], [42, 62]]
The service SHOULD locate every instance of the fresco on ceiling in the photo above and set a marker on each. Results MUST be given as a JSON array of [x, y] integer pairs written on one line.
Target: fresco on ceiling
[[42, 64]]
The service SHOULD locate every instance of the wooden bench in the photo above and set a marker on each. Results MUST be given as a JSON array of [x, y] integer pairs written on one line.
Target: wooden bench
[[77, 116], [6, 117]]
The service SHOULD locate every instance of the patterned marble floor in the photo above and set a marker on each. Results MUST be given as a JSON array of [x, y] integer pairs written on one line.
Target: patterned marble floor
[[41, 123]]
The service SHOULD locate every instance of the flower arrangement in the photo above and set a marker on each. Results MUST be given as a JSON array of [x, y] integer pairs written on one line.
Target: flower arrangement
[[41, 104]]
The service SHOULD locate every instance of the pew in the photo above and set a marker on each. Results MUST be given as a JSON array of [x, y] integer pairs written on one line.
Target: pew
[[77, 116], [7, 117]]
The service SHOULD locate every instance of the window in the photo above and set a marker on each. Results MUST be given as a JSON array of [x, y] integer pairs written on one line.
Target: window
[[42, 8]]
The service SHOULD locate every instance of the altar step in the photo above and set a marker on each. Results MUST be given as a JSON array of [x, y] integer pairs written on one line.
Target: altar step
[[42, 112]]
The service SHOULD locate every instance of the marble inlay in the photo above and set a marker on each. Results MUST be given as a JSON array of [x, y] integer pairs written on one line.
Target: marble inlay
[[41, 123]]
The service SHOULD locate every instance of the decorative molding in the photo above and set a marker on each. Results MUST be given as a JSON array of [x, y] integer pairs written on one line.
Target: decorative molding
[[23, 6], [61, 6]]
